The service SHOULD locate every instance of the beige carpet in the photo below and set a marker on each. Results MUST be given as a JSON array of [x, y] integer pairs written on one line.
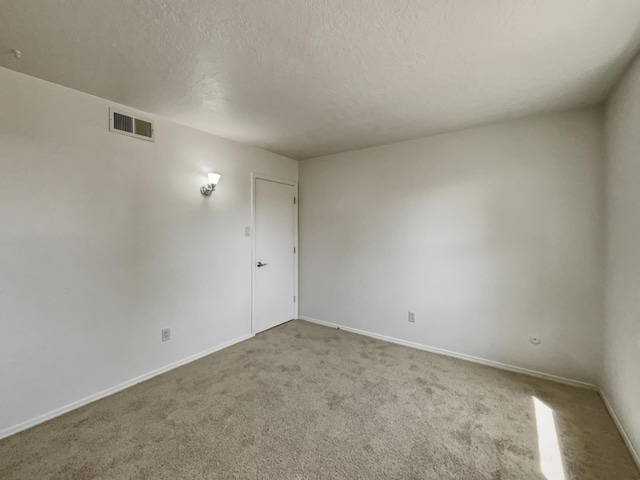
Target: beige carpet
[[305, 401]]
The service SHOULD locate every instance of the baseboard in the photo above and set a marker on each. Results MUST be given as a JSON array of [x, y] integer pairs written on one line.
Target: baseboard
[[115, 389], [462, 356], [502, 366], [623, 433]]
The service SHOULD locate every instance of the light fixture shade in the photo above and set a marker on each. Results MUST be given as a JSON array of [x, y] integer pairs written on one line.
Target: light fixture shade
[[209, 188], [214, 178]]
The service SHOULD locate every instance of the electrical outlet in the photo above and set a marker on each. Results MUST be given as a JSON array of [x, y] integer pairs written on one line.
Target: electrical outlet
[[535, 340], [166, 334], [412, 317]]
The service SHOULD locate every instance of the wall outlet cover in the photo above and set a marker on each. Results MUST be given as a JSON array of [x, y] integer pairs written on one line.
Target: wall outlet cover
[[166, 334]]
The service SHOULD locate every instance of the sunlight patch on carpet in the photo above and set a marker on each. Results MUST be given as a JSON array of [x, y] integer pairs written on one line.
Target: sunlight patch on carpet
[[548, 445]]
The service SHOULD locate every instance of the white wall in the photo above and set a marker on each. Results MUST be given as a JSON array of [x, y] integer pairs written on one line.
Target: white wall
[[105, 239], [491, 235], [621, 376]]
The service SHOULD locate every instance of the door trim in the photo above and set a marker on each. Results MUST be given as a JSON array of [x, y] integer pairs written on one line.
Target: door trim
[[261, 176]]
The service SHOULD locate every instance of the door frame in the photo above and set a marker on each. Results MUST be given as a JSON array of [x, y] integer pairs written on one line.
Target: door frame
[[271, 178]]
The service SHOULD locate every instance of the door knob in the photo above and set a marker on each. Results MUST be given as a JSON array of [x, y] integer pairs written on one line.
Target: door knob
[[260, 264]]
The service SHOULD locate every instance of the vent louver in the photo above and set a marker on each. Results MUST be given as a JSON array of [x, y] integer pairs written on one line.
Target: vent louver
[[122, 122], [128, 125]]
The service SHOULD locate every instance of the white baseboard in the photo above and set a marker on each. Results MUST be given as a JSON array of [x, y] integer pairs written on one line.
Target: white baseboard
[[621, 429], [462, 356], [117, 388], [503, 366], [110, 391]]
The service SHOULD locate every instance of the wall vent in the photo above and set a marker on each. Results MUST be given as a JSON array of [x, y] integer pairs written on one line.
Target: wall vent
[[125, 124]]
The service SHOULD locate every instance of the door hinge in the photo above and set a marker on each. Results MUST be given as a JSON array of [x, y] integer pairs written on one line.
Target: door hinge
[[294, 200], [294, 249], [294, 299]]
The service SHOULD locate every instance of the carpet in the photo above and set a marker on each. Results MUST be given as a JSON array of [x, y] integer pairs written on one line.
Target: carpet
[[303, 401]]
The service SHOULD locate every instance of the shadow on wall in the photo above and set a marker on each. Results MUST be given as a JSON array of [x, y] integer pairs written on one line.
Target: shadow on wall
[[480, 231]]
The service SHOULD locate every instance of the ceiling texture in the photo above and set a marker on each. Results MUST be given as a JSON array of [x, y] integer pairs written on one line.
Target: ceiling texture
[[306, 78]]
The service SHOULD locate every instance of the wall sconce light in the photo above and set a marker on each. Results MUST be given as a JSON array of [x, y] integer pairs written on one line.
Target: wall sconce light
[[207, 189]]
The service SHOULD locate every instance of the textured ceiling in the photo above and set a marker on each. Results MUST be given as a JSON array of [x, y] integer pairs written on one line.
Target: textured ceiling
[[305, 78]]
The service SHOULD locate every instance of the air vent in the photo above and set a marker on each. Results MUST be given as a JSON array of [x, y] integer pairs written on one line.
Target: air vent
[[120, 122]]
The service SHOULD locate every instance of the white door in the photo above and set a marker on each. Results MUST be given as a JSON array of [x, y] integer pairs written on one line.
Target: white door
[[274, 268]]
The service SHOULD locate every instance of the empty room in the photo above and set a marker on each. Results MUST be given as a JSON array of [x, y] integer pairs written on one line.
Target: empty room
[[305, 239]]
